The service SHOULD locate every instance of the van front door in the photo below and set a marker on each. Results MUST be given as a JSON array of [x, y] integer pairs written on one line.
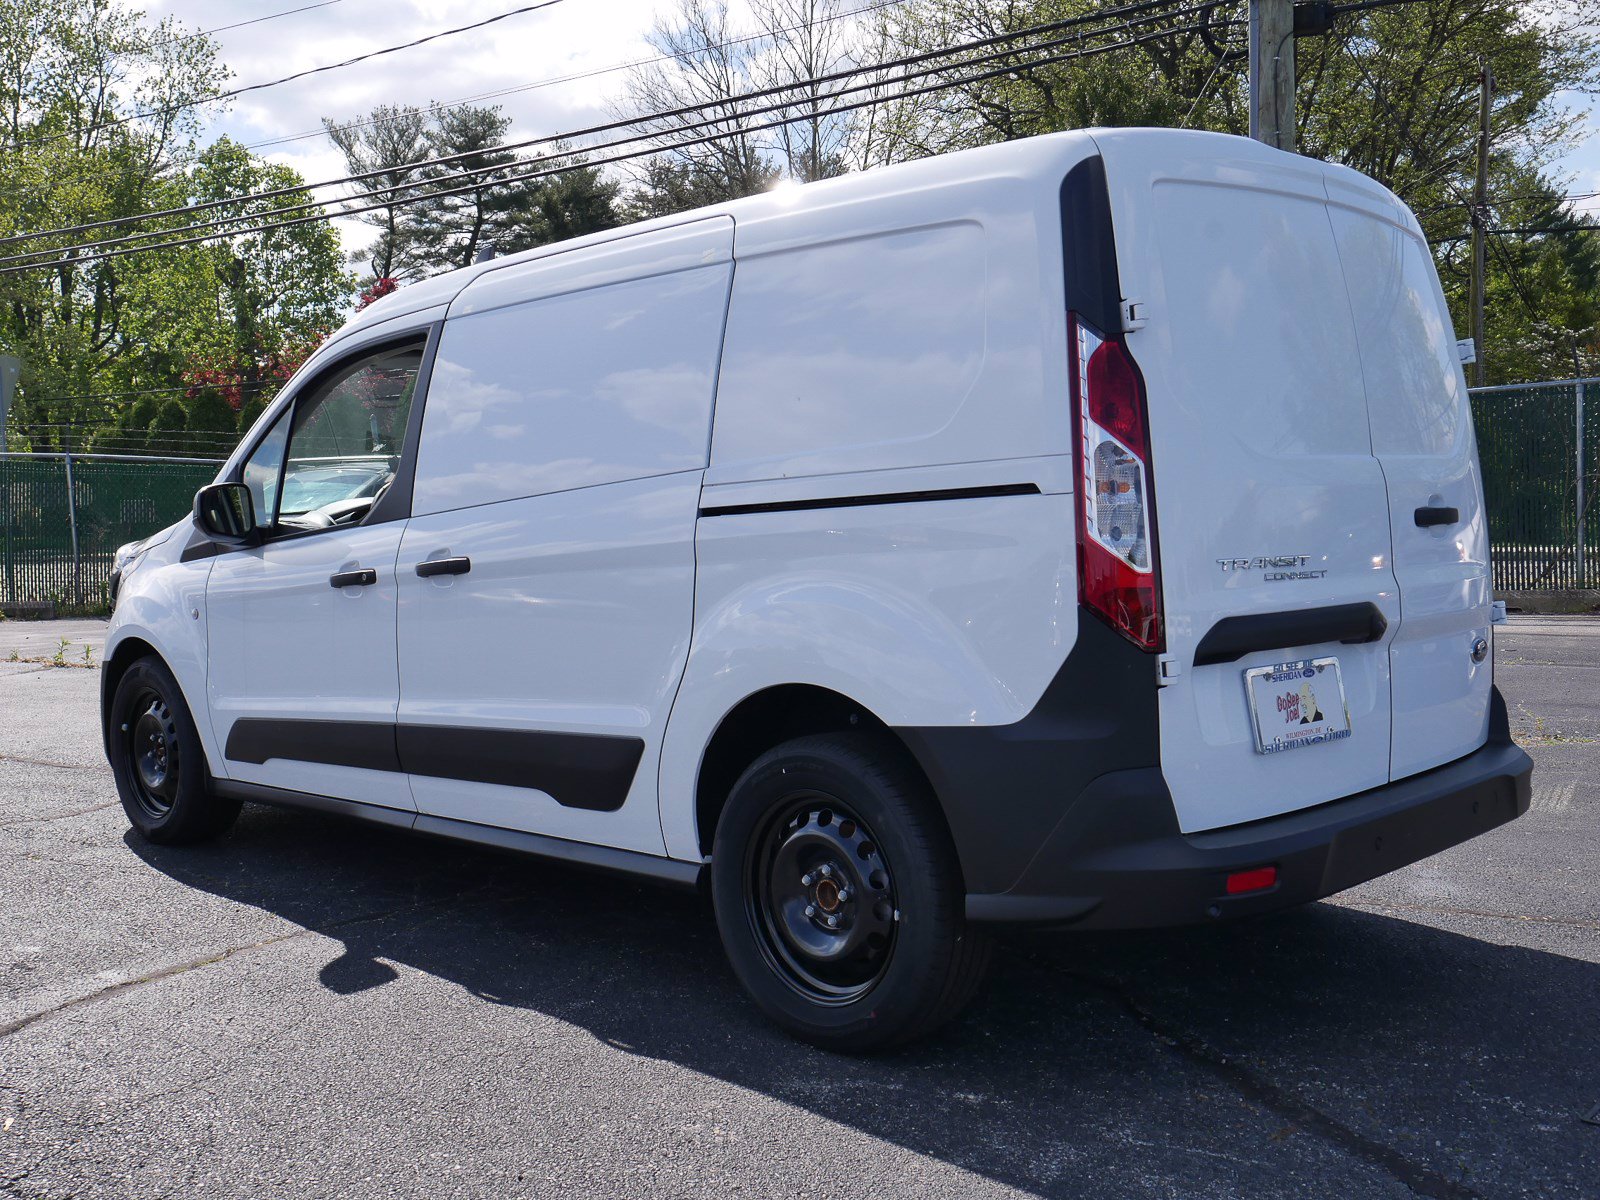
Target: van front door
[[302, 680], [546, 577]]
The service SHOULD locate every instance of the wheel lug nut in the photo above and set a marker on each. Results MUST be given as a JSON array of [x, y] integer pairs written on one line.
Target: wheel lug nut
[[844, 894], [811, 910], [833, 922], [807, 879], [826, 870]]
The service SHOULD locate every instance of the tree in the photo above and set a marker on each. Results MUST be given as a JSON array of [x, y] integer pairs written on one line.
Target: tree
[[387, 142], [706, 60], [168, 428], [271, 294], [97, 128], [426, 231], [71, 74], [1391, 92]]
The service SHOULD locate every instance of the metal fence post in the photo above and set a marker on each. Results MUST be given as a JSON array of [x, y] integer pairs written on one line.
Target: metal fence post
[[10, 596], [72, 518], [1582, 579]]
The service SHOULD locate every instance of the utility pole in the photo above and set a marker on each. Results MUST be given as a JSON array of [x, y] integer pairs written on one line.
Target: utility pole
[[1272, 72], [1480, 217]]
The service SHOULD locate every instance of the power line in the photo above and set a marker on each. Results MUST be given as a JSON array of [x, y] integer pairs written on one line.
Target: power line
[[661, 148], [1143, 6], [1518, 231], [1512, 273], [593, 73], [258, 20], [271, 83], [97, 250], [450, 104]]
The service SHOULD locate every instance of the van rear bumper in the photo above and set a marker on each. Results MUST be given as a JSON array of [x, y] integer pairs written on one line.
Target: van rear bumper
[[1097, 870]]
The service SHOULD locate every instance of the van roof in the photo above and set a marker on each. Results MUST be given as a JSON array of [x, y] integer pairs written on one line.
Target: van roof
[[1047, 156]]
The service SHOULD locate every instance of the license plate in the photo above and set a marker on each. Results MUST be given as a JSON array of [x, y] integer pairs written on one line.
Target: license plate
[[1297, 704]]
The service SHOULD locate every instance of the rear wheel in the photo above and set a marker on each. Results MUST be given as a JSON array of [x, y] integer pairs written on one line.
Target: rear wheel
[[839, 897], [158, 762]]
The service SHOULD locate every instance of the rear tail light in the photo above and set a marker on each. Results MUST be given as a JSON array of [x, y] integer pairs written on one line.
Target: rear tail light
[[1118, 567]]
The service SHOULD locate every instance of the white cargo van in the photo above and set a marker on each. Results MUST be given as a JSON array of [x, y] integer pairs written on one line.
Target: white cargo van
[[1084, 531]]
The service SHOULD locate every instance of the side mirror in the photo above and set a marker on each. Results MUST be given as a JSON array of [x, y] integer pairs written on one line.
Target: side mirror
[[226, 512]]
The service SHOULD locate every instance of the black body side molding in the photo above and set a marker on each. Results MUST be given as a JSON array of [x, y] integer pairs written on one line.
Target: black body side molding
[[964, 493], [580, 770], [365, 744], [1231, 638]]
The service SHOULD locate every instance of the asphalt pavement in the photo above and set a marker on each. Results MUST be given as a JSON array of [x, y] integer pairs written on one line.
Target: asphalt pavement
[[310, 1008]]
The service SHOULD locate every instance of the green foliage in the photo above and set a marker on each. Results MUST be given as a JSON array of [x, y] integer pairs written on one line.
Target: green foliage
[[71, 73], [439, 233], [167, 430], [1391, 92], [209, 414], [249, 412]]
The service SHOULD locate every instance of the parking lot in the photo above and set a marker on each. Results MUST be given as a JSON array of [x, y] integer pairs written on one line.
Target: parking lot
[[309, 1008]]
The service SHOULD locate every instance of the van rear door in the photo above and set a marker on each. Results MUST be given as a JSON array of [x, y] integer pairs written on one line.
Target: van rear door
[[1268, 498], [1422, 436]]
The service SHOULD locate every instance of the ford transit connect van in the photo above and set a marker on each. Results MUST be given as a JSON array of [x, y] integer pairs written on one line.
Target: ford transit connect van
[[1084, 532]]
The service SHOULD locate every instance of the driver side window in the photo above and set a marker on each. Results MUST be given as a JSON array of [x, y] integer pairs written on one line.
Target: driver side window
[[344, 438]]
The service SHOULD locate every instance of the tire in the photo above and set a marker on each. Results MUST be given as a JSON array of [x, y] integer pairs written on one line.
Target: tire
[[901, 960], [159, 764]]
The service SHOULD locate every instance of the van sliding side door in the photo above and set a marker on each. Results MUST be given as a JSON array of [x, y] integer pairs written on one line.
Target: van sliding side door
[[547, 574]]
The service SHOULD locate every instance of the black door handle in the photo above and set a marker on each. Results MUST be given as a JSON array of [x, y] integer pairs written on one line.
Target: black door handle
[[365, 577], [459, 565], [1428, 516], [1231, 638]]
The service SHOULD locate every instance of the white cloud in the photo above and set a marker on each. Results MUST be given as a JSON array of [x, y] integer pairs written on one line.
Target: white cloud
[[572, 37]]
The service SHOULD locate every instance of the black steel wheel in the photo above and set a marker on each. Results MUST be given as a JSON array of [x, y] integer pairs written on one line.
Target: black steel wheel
[[839, 896], [821, 895], [158, 762], [157, 757]]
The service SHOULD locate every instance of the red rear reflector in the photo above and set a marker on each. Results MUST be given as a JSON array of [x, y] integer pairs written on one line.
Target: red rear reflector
[[1257, 879]]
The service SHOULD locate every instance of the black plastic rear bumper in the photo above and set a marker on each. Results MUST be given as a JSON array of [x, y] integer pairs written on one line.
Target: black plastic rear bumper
[[1097, 871]]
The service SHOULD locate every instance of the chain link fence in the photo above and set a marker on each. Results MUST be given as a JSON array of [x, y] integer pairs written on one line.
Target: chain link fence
[[62, 517], [1539, 444]]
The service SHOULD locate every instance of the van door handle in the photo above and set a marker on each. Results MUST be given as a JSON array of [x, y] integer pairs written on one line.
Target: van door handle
[[1231, 638], [444, 566], [1429, 515], [365, 577]]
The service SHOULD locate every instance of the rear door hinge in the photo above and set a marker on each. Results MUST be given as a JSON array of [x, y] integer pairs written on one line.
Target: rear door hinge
[[1135, 313], [1169, 669]]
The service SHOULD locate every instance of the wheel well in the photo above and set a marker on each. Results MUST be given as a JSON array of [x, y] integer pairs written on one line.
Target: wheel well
[[767, 719], [128, 651]]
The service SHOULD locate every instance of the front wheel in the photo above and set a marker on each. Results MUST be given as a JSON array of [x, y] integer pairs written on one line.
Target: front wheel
[[839, 897], [159, 764]]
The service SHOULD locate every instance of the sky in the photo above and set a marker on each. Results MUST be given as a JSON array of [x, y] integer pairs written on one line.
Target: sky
[[571, 37]]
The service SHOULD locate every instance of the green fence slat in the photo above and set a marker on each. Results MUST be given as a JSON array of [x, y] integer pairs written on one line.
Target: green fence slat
[[117, 502]]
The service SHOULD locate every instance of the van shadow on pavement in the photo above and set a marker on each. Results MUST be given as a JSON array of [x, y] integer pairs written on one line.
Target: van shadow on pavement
[[1399, 1052]]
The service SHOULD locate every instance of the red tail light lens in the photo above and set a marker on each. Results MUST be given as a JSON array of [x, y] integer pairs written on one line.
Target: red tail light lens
[[1118, 571]]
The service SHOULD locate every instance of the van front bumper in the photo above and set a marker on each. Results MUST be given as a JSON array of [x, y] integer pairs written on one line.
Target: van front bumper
[[1114, 862]]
